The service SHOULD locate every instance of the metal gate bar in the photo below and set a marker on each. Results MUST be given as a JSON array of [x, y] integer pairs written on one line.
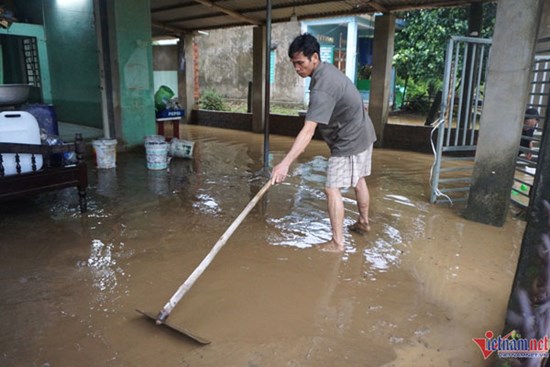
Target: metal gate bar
[[465, 68], [538, 98]]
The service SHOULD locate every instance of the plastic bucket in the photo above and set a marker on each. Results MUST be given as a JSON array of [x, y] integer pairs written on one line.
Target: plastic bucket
[[157, 152], [105, 152], [154, 138], [181, 148]]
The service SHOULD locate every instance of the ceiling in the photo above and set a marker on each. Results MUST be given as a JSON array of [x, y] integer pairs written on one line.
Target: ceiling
[[173, 17]]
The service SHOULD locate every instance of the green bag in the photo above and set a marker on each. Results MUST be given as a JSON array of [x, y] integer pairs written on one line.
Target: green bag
[[163, 97]]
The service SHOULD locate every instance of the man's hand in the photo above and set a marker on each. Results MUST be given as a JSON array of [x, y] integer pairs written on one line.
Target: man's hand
[[305, 135], [279, 173]]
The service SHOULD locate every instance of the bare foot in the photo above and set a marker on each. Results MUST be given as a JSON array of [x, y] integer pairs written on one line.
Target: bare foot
[[361, 228], [330, 246]]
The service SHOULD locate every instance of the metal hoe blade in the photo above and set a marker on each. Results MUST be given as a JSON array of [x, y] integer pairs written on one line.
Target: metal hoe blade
[[179, 329]]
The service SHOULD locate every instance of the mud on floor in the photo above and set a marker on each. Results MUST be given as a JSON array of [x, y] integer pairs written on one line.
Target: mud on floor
[[413, 293]]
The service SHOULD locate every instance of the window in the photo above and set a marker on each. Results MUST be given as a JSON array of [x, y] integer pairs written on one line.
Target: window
[[32, 68]]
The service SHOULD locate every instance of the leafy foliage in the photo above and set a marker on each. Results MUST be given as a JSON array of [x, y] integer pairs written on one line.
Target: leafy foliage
[[420, 46], [364, 72], [211, 100]]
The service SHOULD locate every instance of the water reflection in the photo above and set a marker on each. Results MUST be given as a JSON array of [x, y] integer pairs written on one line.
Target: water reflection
[[305, 222], [312, 171], [102, 263], [384, 253], [301, 232], [400, 200], [181, 172], [205, 203], [107, 184], [61, 203], [157, 181], [104, 269]]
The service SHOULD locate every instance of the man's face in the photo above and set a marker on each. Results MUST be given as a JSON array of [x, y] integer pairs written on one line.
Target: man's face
[[304, 66], [530, 123]]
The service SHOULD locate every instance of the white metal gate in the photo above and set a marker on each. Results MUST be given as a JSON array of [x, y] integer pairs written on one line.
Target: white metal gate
[[458, 124]]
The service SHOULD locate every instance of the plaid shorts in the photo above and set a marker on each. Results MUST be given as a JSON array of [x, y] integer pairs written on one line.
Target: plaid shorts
[[345, 172]]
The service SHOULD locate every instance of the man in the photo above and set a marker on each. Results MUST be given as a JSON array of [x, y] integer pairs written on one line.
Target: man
[[336, 107], [529, 124]]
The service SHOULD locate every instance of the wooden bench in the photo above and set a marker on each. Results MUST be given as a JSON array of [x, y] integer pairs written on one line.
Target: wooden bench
[[52, 176]]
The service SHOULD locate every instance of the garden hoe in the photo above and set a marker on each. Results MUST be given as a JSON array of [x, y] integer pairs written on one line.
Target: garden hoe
[[162, 316]]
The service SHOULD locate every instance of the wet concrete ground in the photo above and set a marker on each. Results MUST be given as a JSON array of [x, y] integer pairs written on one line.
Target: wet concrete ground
[[412, 293]]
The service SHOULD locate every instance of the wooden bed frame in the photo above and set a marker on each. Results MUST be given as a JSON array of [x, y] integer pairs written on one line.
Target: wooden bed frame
[[52, 176]]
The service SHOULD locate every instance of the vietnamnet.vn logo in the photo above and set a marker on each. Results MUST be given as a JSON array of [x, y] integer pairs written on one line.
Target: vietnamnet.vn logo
[[512, 345]]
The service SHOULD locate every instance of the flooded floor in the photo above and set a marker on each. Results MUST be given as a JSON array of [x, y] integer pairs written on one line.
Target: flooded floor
[[412, 293]]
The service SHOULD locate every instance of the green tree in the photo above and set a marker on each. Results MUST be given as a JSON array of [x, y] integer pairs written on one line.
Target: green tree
[[420, 46]]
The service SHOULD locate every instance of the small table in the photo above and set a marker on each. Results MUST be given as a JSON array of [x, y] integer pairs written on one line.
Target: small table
[[175, 125], [169, 115]]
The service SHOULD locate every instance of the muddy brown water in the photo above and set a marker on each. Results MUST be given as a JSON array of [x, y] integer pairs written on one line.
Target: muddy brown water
[[412, 293]]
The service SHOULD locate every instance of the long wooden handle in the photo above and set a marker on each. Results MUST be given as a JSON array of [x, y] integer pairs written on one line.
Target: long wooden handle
[[184, 288]]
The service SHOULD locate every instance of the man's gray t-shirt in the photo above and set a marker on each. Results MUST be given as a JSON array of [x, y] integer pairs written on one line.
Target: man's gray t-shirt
[[336, 105]]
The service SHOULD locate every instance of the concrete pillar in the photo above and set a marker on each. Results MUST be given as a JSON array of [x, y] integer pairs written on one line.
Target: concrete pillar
[[186, 80], [544, 29], [258, 78], [506, 92], [132, 57], [379, 100], [102, 29], [351, 50]]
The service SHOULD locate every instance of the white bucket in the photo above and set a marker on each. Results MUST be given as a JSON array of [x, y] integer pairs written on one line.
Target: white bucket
[[154, 138], [181, 148], [157, 153], [105, 152]]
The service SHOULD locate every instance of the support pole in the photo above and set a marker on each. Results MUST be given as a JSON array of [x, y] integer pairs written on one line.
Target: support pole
[[105, 75], [258, 79], [267, 85], [186, 74], [493, 175], [379, 99]]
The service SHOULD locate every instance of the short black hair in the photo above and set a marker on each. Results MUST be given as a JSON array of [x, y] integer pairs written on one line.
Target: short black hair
[[305, 43], [532, 113]]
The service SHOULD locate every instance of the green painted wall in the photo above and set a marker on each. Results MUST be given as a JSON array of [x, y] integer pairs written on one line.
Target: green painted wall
[[74, 68], [135, 60], [72, 56], [74, 65], [14, 70]]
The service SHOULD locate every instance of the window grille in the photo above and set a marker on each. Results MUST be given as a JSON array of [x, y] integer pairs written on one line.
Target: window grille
[[32, 68]]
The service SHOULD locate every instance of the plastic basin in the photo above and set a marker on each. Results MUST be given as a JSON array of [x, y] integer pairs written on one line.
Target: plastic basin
[[14, 94]]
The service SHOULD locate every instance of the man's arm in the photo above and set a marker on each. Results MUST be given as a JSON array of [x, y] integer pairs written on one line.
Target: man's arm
[[305, 135]]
